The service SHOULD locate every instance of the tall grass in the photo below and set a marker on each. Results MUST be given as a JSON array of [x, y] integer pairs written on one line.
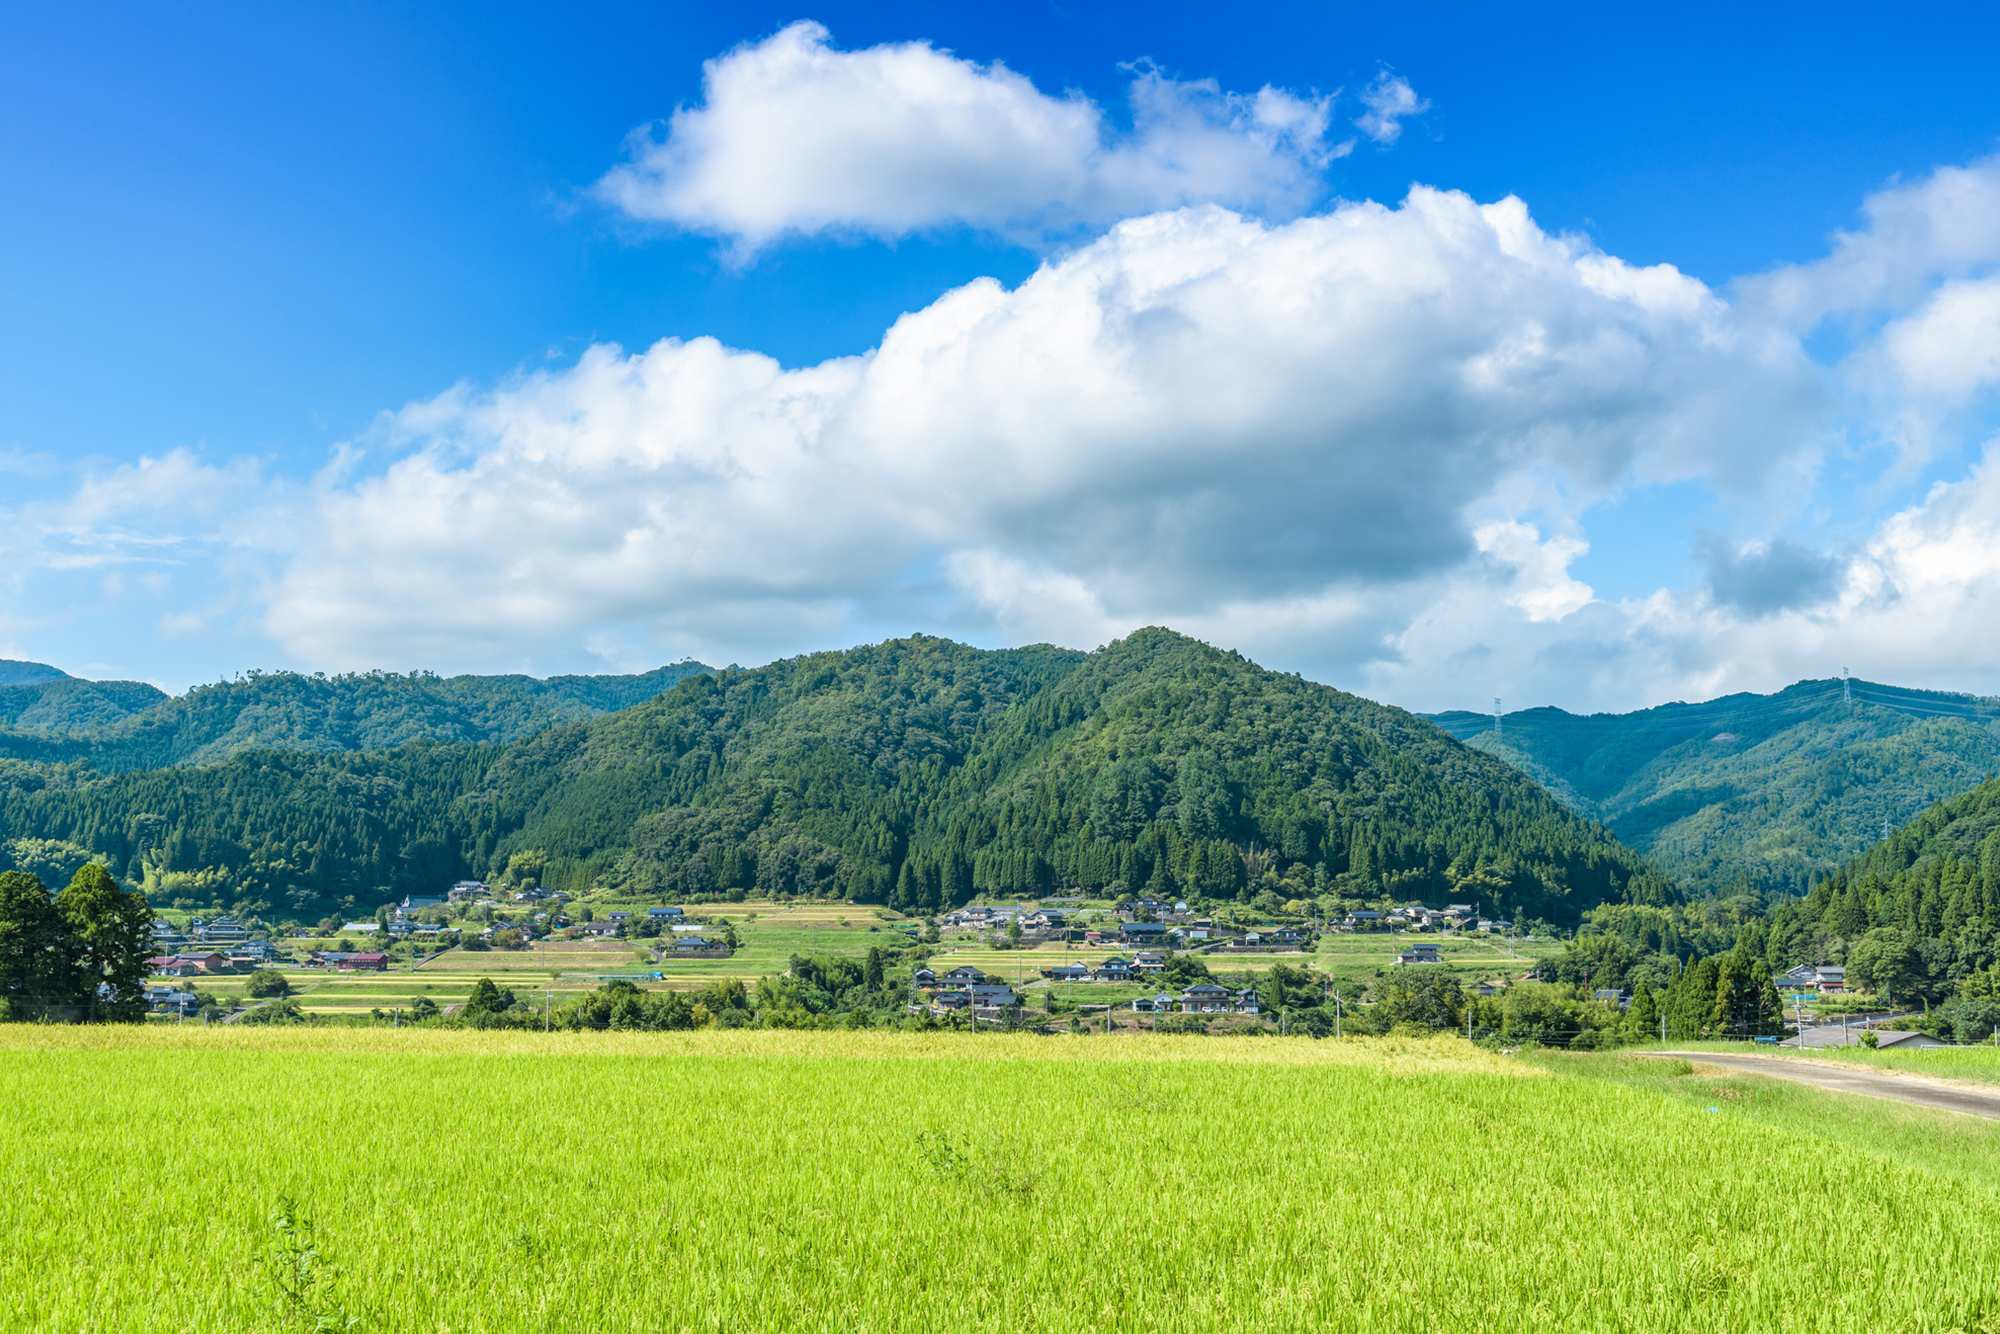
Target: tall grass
[[467, 1181]]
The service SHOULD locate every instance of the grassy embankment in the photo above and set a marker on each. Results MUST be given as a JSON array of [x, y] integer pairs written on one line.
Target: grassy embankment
[[860, 1182]]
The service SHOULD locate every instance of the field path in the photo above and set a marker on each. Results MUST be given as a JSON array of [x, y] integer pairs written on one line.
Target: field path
[[1868, 1083]]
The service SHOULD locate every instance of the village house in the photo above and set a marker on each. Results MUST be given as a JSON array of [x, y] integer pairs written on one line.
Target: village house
[[963, 976], [349, 963], [172, 1000], [1143, 933], [466, 889], [1206, 998], [1364, 919], [687, 946], [1246, 1000], [1805, 977], [924, 977], [1417, 954], [1114, 969], [1160, 1004], [1067, 972], [994, 996], [665, 914], [950, 1000], [1151, 961], [222, 931], [1906, 1041], [1829, 978]]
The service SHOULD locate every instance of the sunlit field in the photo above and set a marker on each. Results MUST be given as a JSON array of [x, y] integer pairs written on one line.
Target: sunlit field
[[490, 1181]]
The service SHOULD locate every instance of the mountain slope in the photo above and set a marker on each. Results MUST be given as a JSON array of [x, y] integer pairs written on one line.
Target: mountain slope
[[917, 772], [1779, 789], [1918, 914], [126, 725], [66, 705], [15, 672]]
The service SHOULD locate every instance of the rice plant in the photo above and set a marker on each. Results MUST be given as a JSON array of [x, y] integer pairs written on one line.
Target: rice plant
[[831, 1181]]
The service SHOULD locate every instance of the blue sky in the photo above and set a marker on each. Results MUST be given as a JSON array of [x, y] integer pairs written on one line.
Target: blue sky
[[239, 243]]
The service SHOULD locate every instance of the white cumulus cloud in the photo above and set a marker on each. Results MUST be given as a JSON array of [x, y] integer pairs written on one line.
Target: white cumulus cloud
[[796, 137], [1195, 417]]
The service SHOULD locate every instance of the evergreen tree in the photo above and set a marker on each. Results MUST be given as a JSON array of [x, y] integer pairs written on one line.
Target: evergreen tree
[[31, 935], [1643, 1016], [1746, 1000], [1690, 1007], [106, 933]]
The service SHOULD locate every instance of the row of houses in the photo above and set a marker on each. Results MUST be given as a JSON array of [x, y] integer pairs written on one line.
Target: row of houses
[[1201, 998], [1416, 917], [193, 965], [1200, 934], [223, 933]]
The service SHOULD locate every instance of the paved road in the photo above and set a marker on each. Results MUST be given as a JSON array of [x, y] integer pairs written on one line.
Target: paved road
[[1868, 1083]]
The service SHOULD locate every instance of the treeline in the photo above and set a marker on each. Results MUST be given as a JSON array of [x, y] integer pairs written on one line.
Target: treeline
[[918, 773]]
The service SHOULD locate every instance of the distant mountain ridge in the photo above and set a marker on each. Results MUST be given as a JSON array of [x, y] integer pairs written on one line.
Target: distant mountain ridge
[[122, 725], [1779, 789], [15, 672]]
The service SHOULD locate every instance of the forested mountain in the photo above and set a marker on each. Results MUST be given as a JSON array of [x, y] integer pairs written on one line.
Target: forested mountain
[[65, 705], [1915, 920], [115, 725], [1776, 789], [917, 772], [15, 672]]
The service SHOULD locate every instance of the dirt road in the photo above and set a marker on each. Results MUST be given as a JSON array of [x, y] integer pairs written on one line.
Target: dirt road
[[1868, 1083]]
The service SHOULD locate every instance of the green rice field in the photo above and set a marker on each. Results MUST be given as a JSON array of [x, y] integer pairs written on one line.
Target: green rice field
[[492, 1181]]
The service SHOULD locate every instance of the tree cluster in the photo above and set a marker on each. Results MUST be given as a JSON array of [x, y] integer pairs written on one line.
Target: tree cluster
[[77, 956]]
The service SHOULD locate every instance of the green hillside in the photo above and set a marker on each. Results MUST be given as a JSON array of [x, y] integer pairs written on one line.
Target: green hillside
[[118, 725], [1918, 914], [1779, 789], [917, 772], [66, 705], [15, 672]]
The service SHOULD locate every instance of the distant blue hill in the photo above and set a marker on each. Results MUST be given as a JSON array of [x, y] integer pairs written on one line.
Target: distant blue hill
[[14, 672], [1777, 789]]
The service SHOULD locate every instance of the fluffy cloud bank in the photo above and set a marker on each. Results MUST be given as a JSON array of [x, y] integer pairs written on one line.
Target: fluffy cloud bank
[[1199, 418], [796, 137]]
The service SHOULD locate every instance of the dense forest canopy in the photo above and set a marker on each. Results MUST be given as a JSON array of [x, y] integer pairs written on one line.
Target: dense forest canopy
[[917, 772], [1776, 790], [116, 725]]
